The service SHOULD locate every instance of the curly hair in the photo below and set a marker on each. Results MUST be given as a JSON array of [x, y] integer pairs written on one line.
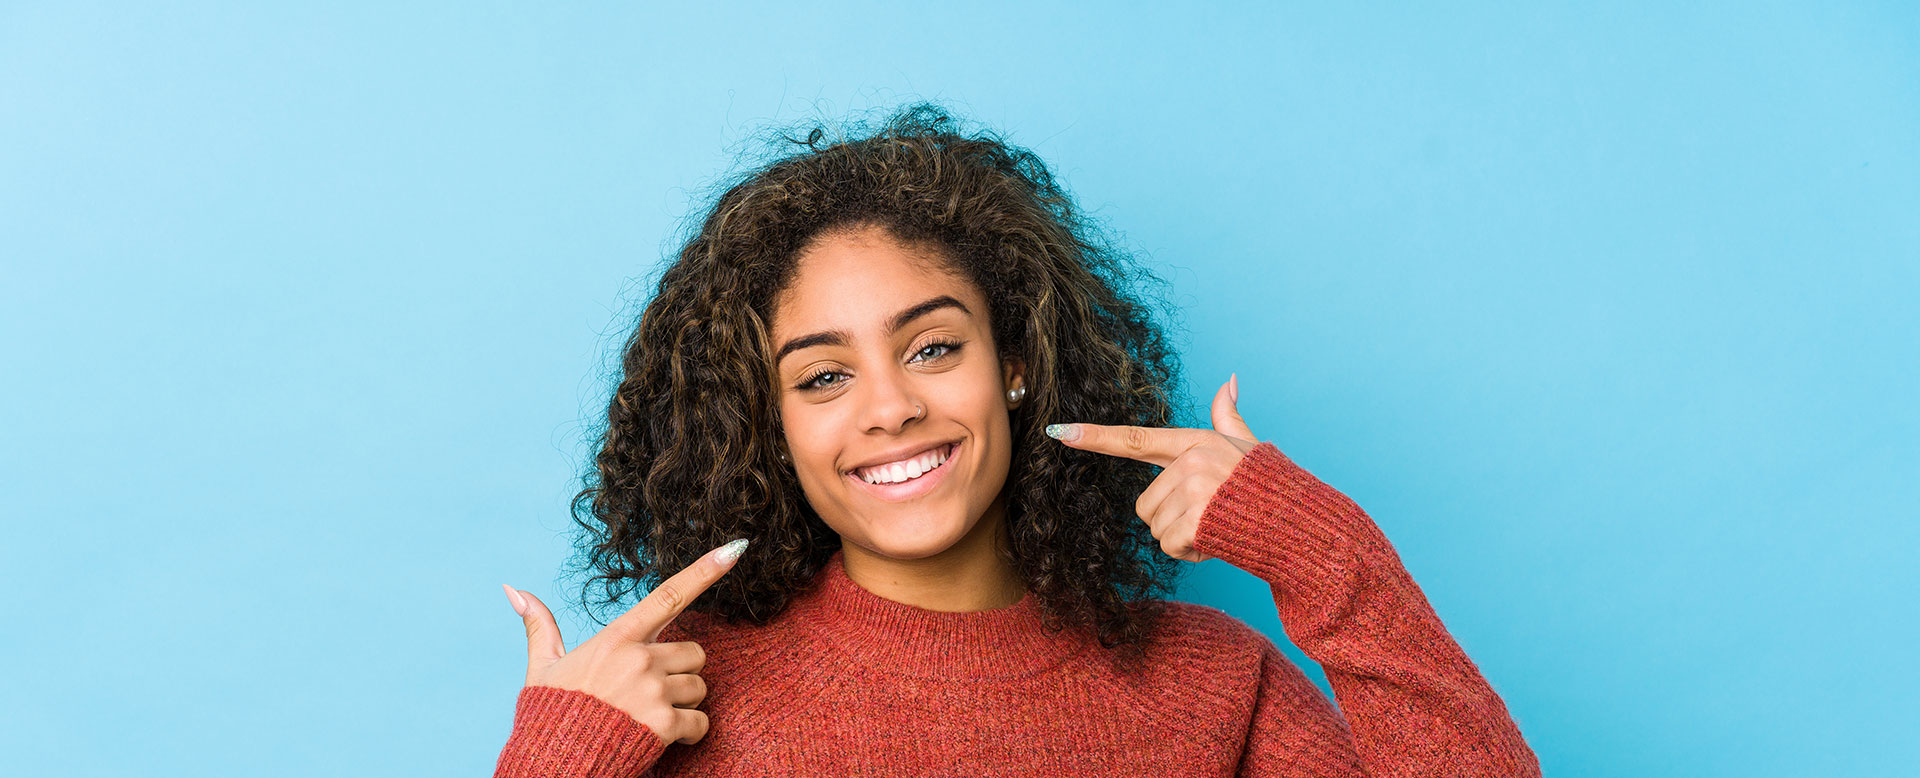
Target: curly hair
[[687, 458]]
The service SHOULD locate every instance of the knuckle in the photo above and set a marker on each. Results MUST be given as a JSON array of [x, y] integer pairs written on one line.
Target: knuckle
[[670, 597], [1135, 439], [653, 689]]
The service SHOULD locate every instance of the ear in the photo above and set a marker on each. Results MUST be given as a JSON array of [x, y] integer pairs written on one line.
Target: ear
[[1013, 371]]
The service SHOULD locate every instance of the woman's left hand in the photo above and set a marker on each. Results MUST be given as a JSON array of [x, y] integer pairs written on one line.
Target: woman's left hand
[[1196, 463]]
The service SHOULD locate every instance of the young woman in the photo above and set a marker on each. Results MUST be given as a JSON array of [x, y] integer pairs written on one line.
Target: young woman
[[913, 381]]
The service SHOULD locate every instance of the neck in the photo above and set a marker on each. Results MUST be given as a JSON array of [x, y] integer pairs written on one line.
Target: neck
[[971, 575]]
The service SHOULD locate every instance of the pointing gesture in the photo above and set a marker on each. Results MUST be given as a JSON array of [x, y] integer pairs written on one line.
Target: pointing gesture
[[1196, 462], [658, 684]]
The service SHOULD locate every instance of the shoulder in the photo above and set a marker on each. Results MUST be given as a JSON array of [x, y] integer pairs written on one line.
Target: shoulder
[[1204, 638], [1194, 645], [1191, 633], [1209, 629], [1198, 674]]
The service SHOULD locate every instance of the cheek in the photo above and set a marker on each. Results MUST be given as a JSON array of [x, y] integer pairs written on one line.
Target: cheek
[[807, 432], [973, 397], [818, 434], [981, 408], [968, 406]]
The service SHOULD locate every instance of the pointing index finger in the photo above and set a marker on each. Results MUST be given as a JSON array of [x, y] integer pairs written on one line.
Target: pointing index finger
[[1153, 445], [644, 621]]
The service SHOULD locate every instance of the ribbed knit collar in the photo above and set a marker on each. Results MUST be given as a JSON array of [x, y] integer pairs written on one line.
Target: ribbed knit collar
[[886, 636]]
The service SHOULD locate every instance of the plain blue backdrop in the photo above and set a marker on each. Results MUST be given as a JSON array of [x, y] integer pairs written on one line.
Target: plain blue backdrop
[[1604, 312]]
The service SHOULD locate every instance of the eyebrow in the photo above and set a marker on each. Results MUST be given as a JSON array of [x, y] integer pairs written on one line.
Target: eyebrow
[[840, 337]]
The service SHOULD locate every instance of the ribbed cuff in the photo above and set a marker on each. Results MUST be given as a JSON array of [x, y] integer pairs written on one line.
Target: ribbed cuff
[[1277, 521], [565, 732]]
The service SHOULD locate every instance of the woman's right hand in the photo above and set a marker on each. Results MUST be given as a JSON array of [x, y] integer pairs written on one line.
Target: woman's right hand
[[658, 684]]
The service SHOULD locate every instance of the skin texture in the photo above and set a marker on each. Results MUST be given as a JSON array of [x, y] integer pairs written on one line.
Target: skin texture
[[938, 378]]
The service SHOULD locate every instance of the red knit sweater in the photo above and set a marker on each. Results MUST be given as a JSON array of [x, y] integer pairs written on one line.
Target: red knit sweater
[[847, 682]]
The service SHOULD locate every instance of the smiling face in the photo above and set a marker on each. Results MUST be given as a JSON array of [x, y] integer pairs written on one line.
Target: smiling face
[[888, 367]]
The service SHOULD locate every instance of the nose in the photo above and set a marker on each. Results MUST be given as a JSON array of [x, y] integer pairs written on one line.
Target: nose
[[890, 404]]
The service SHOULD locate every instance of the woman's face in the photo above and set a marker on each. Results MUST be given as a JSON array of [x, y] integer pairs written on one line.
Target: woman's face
[[893, 397]]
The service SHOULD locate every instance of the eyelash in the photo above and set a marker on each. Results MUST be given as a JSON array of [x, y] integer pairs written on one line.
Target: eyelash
[[807, 385]]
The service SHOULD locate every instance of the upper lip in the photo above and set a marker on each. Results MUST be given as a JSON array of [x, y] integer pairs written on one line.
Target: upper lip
[[902, 453]]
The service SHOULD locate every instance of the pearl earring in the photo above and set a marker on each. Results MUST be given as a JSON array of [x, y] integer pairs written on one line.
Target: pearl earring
[[1016, 394]]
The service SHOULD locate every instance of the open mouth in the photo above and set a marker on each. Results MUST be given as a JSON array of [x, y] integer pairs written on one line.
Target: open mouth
[[907, 478]]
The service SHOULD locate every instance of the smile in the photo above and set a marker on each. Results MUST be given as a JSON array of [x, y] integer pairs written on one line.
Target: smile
[[907, 478]]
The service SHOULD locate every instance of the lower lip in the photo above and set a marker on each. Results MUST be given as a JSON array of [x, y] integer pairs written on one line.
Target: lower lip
[[907, 490]]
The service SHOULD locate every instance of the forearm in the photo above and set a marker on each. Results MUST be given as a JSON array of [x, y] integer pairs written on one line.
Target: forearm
[[1414, 702]]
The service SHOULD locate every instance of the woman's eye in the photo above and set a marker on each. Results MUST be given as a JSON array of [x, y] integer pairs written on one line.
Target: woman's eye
[[940, 349], [815, 383]]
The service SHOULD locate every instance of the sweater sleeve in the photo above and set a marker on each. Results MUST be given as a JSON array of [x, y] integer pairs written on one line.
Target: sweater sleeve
[[572, 734], [1410, 701]]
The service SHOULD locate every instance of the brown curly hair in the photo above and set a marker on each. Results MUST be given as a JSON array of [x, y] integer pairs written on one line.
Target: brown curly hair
[[687, 459]]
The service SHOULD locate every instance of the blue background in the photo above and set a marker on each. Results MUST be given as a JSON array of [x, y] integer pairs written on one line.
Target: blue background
[[1605, 313]]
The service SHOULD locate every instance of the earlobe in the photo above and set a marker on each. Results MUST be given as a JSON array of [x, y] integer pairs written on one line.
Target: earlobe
[[1013, 372]]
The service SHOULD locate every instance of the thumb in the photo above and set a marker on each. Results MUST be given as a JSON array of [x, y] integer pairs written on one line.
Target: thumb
[[543, 635], [1226, 412]]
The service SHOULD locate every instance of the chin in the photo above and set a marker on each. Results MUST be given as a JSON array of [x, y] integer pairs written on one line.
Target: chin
[[913, 537]]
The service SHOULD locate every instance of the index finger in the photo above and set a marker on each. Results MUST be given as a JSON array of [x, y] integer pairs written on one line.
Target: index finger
[[654, 612], [1153, 445]]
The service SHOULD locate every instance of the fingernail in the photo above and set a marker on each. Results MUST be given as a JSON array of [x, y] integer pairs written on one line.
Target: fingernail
[[1063, 431], [1233, 387], [730, 552], [519, 603]]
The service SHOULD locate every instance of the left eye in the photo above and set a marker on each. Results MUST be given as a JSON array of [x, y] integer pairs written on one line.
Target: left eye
[[932, 346]]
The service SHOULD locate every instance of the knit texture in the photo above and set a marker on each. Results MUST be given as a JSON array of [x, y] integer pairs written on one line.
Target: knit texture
[[845, 682]]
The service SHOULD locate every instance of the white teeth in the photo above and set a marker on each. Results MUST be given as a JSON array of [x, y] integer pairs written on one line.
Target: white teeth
[[905, 471]]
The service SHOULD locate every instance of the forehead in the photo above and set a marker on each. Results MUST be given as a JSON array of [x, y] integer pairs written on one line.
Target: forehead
[[858, 279]]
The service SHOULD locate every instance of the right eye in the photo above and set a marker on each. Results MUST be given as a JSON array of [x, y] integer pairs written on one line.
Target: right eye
[[812, 382]]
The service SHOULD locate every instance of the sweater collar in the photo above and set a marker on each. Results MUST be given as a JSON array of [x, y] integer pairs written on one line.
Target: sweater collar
[[887, 636]]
